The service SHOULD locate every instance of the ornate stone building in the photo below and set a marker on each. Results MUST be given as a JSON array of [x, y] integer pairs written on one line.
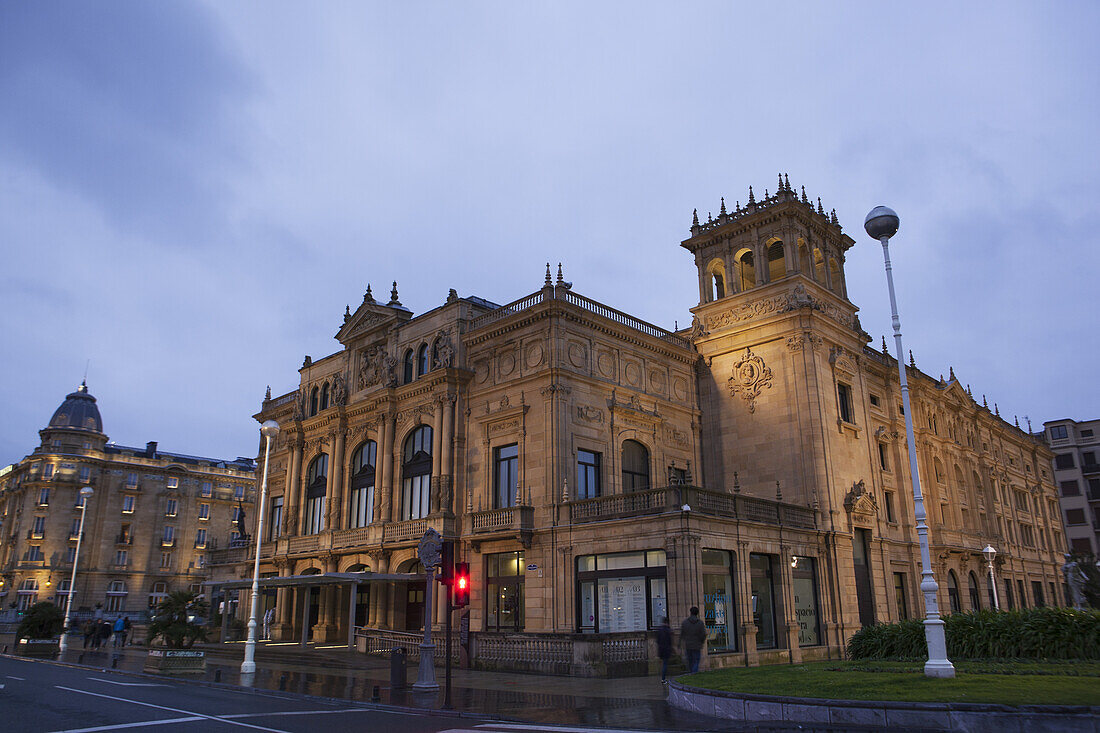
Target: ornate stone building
[[599, 472], [151, 520]]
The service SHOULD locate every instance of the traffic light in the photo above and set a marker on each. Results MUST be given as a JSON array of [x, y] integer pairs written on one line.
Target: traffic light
[[447, 563], [462, 585]]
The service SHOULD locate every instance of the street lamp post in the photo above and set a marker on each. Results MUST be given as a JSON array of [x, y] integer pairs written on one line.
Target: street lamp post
[[269, 430], [989, 553], [881, 224], [85, 494]]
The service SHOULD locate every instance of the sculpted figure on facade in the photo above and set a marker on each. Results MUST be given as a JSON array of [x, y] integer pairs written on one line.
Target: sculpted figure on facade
[[443, 354], [339, 390], [372, 366]]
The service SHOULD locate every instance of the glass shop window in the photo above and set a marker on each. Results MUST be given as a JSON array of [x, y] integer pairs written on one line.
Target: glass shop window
[[763, 600], [718, 601]]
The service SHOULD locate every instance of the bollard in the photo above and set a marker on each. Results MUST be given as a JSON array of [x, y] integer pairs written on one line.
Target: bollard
[[398, 669], [217, 675], [376, 695], [282, 683]]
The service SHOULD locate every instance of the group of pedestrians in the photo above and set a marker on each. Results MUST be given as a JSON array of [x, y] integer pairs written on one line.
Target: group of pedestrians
[[693, 634], [97, 631]]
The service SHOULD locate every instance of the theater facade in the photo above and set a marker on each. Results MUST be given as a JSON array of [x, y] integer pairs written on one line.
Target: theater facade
[[599, 472]]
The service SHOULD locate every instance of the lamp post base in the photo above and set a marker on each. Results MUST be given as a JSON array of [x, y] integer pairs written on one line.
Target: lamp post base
[[425, 676], [938, 665]]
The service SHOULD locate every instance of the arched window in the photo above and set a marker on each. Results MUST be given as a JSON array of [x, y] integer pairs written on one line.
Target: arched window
[[804, 263], [316, 481], [716, 280], [819, 266], [362, 484], [313, 402], [975, 594], [635, 466], [777, 264], [938, 466], [953, 592], [746, 270], [435, 355], [324, 396], [834, 277], [116, 596], [422, 360], [408, 372], [416, 473]]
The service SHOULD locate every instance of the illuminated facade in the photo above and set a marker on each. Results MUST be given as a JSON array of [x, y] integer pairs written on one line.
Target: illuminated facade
[[599, 472], [152, 519]]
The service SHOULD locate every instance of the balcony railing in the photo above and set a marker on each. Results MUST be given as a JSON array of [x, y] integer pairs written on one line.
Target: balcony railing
[[307, 543], [702, 501], [357, 537], [36, 534], [124, 539], [412, 529], [513, 518], [228, 556]]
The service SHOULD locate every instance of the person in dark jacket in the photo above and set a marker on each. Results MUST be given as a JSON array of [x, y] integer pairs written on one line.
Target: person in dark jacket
[[89, 630], [693, 634], [664, 646]]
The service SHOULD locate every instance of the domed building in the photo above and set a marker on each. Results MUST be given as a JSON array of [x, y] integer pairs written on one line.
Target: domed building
[[151, 518]]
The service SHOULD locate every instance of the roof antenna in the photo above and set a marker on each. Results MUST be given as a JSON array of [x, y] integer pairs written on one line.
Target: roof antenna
[[86, 365]]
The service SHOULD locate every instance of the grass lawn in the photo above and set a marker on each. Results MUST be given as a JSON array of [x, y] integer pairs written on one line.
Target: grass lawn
[[1003, 682]]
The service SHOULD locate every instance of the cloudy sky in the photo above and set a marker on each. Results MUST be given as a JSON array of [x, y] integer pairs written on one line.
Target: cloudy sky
[[190, 193]]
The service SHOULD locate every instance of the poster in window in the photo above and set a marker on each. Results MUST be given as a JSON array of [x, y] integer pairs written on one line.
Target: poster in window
[[622, 604], [805, 602]]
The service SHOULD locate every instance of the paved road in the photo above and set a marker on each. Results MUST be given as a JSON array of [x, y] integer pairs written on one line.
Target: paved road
[[38, 697]]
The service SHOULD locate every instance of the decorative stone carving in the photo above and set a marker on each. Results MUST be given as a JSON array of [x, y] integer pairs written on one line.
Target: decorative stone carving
[[794, 299], [372, 368], [750, 377], [339, 391], [697, 330], [843, 359], [678, 437], [443, 353], [590, 414], [860, 501]]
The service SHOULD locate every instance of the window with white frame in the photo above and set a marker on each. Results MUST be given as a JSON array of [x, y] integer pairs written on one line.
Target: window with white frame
[[200, 538], [362, 484], [416, 473], [116, 597], [171, 508], [173, 482], [204, 512], [316, 482], [128, 502]]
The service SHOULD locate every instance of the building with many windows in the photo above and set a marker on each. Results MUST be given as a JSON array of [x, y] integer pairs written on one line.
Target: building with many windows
[[599, 472], [150, 521], [1077, 473]]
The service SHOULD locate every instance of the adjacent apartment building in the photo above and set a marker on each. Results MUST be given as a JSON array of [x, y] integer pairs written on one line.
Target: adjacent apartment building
[[1077, 473], [600, 472], [151, 520]]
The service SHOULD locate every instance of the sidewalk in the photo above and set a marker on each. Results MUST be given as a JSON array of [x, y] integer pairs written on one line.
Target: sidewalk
[[637, 702]]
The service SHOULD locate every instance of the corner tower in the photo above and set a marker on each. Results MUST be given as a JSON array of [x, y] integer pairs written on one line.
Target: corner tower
[[780, 345]]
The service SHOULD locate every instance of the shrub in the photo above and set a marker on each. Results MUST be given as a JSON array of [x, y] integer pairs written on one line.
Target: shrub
[[42, 621], [1036, 633], [174, 622]]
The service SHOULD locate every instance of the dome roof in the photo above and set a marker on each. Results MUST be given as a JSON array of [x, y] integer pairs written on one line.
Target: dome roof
[[78, 411]]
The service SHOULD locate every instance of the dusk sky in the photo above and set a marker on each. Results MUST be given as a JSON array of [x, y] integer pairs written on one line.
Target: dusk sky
[[190, 193]]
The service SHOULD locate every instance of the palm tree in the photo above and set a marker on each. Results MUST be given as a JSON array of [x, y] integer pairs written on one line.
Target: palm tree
[[174, 624]]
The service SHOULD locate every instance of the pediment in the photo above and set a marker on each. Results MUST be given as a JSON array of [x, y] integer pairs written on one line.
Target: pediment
[[369, 317]]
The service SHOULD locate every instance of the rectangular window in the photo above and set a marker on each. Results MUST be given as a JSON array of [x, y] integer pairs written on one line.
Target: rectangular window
[[238, 491], [34, 553], [47, 472], [763, 601], [124, 536], [1026, 534], [1086, 433], [504, 576], [74, 529], [874, 400], [718, 598], [804, 589], [901, 595], [1022, 596], [169, 536], [1075, 516], [883, 457], [204, 511], [1008, 595], [131, 480], [677, 476], [207, 489], [276, 517], [122, 558], [362, 505], [1058, 432], [844, 402], [165, 560], [173, 482], [621, 591], [888, 502], [70, 555], [39, 527], [315, 514], [1063, 461], [128, 502], [1037, 593], [43, 497], [170, 509], [85, 474], [588, 474], [200, 538], [505, 476]]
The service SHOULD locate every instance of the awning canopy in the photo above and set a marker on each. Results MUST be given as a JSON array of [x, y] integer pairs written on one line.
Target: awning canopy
[[297, 581]]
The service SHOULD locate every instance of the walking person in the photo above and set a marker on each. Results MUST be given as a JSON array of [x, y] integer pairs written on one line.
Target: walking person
[[120, 632], [664, 647], [127, 629], [89, 631], [693, 634]]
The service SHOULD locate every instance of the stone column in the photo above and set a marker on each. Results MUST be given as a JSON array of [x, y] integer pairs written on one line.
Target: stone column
[[281, 630], [380, 461], [446, 453], [746, 623], [293, 489], [389, 510], [760, 256], [790, 619], [335, 488]]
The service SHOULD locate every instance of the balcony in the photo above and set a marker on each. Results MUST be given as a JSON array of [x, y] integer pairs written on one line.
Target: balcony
[[513, 521], [701, 501], [357, 537], [229, 556], [36, 534], [165, 542], [411, 530], [124, 539]]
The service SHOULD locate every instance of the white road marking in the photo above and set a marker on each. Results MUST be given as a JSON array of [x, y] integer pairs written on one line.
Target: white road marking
[[13, 677], [128, 684], [298, 712], [172, 710], [142, 724], [555, 728]]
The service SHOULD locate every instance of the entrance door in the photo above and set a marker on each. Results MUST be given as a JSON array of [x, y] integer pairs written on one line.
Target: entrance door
[[314, 608], [414, 607], [864, 593]]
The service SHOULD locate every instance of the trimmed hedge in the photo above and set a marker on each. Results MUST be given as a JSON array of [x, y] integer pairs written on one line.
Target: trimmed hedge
[[1035, 633]]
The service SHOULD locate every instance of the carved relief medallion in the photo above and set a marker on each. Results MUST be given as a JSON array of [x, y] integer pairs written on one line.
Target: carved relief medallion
[[750, 377], [577, 355]]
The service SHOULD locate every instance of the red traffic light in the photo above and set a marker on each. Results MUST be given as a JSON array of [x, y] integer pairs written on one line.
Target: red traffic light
[[462, 584]]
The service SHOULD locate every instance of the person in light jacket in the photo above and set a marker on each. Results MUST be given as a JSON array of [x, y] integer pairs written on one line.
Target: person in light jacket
[[693, 634]]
